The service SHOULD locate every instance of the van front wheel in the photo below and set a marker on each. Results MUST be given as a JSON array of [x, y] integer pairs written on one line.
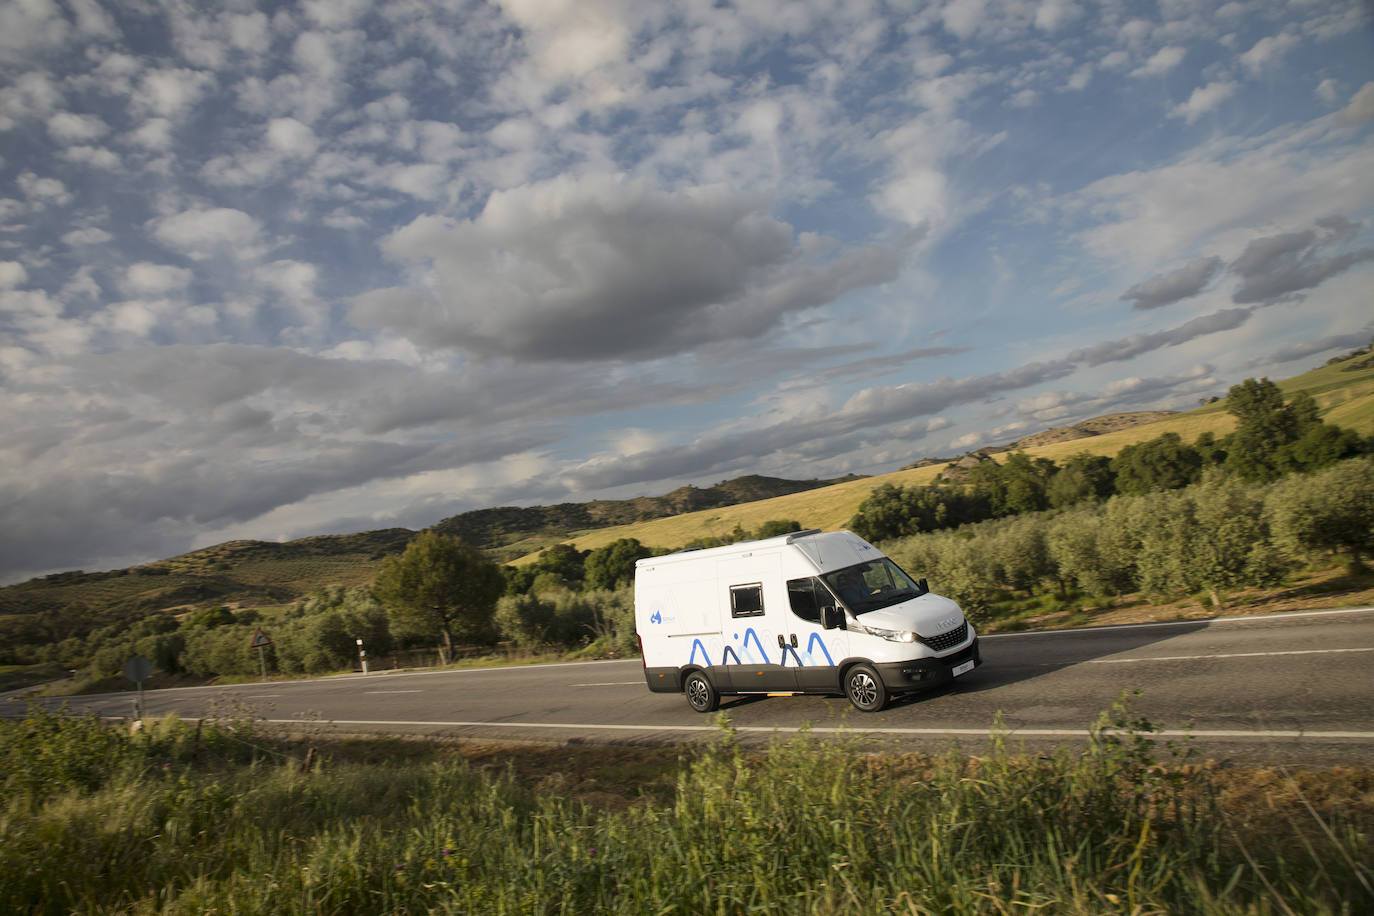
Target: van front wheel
[[700, 693], [865, 689]]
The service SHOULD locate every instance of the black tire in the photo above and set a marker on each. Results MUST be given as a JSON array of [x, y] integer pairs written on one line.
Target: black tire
[[865, 689], [701, 694]]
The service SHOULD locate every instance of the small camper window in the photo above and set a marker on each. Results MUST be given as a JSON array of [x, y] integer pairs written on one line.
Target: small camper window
[[746, 600]]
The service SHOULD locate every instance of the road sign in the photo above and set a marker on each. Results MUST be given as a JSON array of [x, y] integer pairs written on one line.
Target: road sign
[[137, 669], [259, 640]]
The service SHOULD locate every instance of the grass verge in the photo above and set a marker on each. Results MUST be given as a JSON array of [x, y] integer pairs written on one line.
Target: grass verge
[[217, 817]]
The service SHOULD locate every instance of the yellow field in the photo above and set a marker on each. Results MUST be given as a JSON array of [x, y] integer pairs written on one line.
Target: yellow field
[[1346, 398]]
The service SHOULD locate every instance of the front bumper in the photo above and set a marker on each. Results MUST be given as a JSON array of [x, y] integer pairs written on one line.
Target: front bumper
[[924, 673]]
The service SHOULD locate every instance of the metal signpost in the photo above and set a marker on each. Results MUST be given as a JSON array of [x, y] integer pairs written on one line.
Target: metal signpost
[[137, 670], [261, 642]]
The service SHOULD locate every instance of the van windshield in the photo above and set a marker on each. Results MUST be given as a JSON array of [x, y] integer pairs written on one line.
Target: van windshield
[[869, 586]]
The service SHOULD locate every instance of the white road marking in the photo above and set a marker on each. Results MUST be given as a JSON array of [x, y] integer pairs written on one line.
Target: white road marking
[[1193, 658], [612, 684], [261, 696], [375, 692], [975, 732], [1210, 621]]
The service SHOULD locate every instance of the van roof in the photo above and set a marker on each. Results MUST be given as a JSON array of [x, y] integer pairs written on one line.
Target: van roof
[[726, 550]]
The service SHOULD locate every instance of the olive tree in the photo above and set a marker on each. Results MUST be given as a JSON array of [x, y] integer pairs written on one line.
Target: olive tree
[[441, 587], [1330, 510]]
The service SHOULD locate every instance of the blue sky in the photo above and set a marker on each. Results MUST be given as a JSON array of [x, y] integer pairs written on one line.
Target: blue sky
[[272, 270]]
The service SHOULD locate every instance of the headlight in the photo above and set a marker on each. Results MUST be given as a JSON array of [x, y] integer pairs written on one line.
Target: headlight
[[891, 635]]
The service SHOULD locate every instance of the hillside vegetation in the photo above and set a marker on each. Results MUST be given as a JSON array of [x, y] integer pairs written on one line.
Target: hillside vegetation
[[236, 572]]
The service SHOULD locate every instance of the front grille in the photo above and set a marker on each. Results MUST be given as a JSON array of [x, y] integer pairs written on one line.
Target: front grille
[[949, 639]]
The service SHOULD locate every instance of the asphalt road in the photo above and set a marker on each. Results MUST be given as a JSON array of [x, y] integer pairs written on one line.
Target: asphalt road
[[1293, 688]]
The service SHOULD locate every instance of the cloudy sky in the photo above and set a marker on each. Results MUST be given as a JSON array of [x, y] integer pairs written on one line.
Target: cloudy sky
[[280, 269]]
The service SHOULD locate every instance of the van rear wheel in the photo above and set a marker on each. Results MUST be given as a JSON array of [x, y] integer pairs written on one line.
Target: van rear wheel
[[701, 694], [865, 688]]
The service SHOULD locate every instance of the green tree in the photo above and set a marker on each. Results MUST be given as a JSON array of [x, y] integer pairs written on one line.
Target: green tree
[[441, 587], [1020, 555], [776, 528], [211, 617], [892, 512], [612, 566], [1230, 546], [1162, 463], [1015, 486], [1083, 477], [1264, 426], [564, 563], [1322, 445], [1330, 510], [1211, 449]]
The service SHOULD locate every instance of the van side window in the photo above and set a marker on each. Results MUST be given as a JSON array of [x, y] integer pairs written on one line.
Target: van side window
[[807, 597], [746, 600]]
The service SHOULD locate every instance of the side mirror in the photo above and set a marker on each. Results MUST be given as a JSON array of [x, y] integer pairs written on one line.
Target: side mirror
[[832, 618], [923, 586]]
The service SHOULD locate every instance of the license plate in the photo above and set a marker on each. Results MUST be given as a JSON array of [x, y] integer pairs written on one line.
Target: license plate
[[965, 668]]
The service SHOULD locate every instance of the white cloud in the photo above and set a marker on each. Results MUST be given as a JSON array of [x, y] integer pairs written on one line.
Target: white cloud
[[571, 39], [66, 127], [95, 156], [1204, 99], [200, 233], [170, 93], [42, 192], [1268, 52], [334, 14], [31, 95], [92, 20], [1329, 92], [1053, 15], [962, 17], [423, 180], [290, 137], [1361, 107], [30, 28], [12, 274], [148, 279], [153, 134], [1161, 62], [293, 281]]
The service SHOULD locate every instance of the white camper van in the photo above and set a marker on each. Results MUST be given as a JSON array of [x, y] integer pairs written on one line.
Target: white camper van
[[802, 613]]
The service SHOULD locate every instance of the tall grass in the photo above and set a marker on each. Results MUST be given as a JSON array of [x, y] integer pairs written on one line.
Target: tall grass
[[229, 823]]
